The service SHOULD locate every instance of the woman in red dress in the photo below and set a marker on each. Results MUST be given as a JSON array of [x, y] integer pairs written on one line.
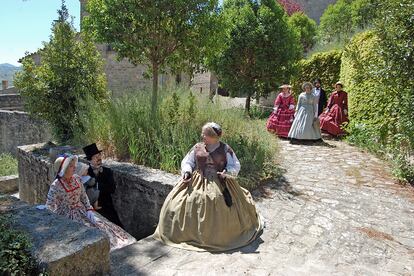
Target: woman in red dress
[[336, 113], [281, 118]]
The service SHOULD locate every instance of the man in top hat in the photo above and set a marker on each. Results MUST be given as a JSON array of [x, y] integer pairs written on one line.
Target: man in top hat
[[104, 183], [320, 95]]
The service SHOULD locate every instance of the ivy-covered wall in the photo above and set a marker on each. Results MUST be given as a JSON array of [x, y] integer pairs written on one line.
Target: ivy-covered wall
[[376, 107]]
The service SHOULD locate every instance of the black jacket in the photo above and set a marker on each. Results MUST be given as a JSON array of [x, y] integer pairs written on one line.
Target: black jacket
[[322, 101], [106, 186]]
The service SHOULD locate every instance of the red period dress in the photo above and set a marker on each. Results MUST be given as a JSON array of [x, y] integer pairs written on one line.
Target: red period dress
[[280, 121], [332, 120]]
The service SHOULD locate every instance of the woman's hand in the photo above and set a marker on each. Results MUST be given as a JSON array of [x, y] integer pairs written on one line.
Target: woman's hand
[[187, 177], [222, 174], [91, 216], [345, 112]]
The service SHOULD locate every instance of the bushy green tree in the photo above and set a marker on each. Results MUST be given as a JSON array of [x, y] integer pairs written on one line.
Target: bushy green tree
[[345, 17], [306, 27], [259, 50], [69, 76], [336, 22], [160, 33]]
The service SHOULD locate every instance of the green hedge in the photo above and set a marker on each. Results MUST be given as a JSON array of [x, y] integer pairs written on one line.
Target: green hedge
[[375, 106], [326, 66]]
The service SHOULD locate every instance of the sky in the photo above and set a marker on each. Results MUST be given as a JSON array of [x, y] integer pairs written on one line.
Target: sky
[[24, 24]]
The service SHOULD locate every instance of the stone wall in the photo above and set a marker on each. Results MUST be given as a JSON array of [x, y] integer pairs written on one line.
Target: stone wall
[[9, 90], [35, 174], [60, 246], [11, 102], [204, 84], [9, 184], [18, 128], [138, 198]]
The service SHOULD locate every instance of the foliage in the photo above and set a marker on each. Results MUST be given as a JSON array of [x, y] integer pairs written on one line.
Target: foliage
[[161, 34], [8, 165], [380, 107], [259, 51], [70, 72], [325, 66], [306, 28], [344, 18], [336, 22], [258, 112], [290, 6], [15, 255], [126, 130], [364, 12]]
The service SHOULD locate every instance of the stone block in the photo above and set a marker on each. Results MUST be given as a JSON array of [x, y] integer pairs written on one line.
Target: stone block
[[9, 184], [10, 100], [139, 196], [36, 173], [60, 246]]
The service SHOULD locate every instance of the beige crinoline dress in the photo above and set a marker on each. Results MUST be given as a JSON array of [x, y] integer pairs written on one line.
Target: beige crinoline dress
[[195, 215]]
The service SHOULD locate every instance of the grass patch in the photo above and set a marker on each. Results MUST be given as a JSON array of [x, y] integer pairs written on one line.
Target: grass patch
[[126, 131], [8, 165]]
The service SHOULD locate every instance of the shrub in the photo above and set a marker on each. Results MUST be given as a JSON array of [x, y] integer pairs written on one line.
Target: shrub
[[306, 28], [377, 108], [15, 256], [70, 72], [325, 66], [127, 131], [8, 164]]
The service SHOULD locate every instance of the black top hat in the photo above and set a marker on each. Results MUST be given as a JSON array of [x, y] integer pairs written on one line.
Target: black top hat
[[91, 150]]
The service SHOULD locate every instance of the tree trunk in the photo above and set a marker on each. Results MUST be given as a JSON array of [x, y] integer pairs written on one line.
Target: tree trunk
[[247, 105], [154, 89]]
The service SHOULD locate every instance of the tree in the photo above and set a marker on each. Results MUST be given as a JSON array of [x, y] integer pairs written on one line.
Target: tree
[[160, 33], [70, 75], [259, 50], [342, 19], [336, 22], [306, 28]]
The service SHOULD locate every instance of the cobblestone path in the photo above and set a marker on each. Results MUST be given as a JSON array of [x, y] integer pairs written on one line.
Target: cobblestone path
[[335, 211]]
